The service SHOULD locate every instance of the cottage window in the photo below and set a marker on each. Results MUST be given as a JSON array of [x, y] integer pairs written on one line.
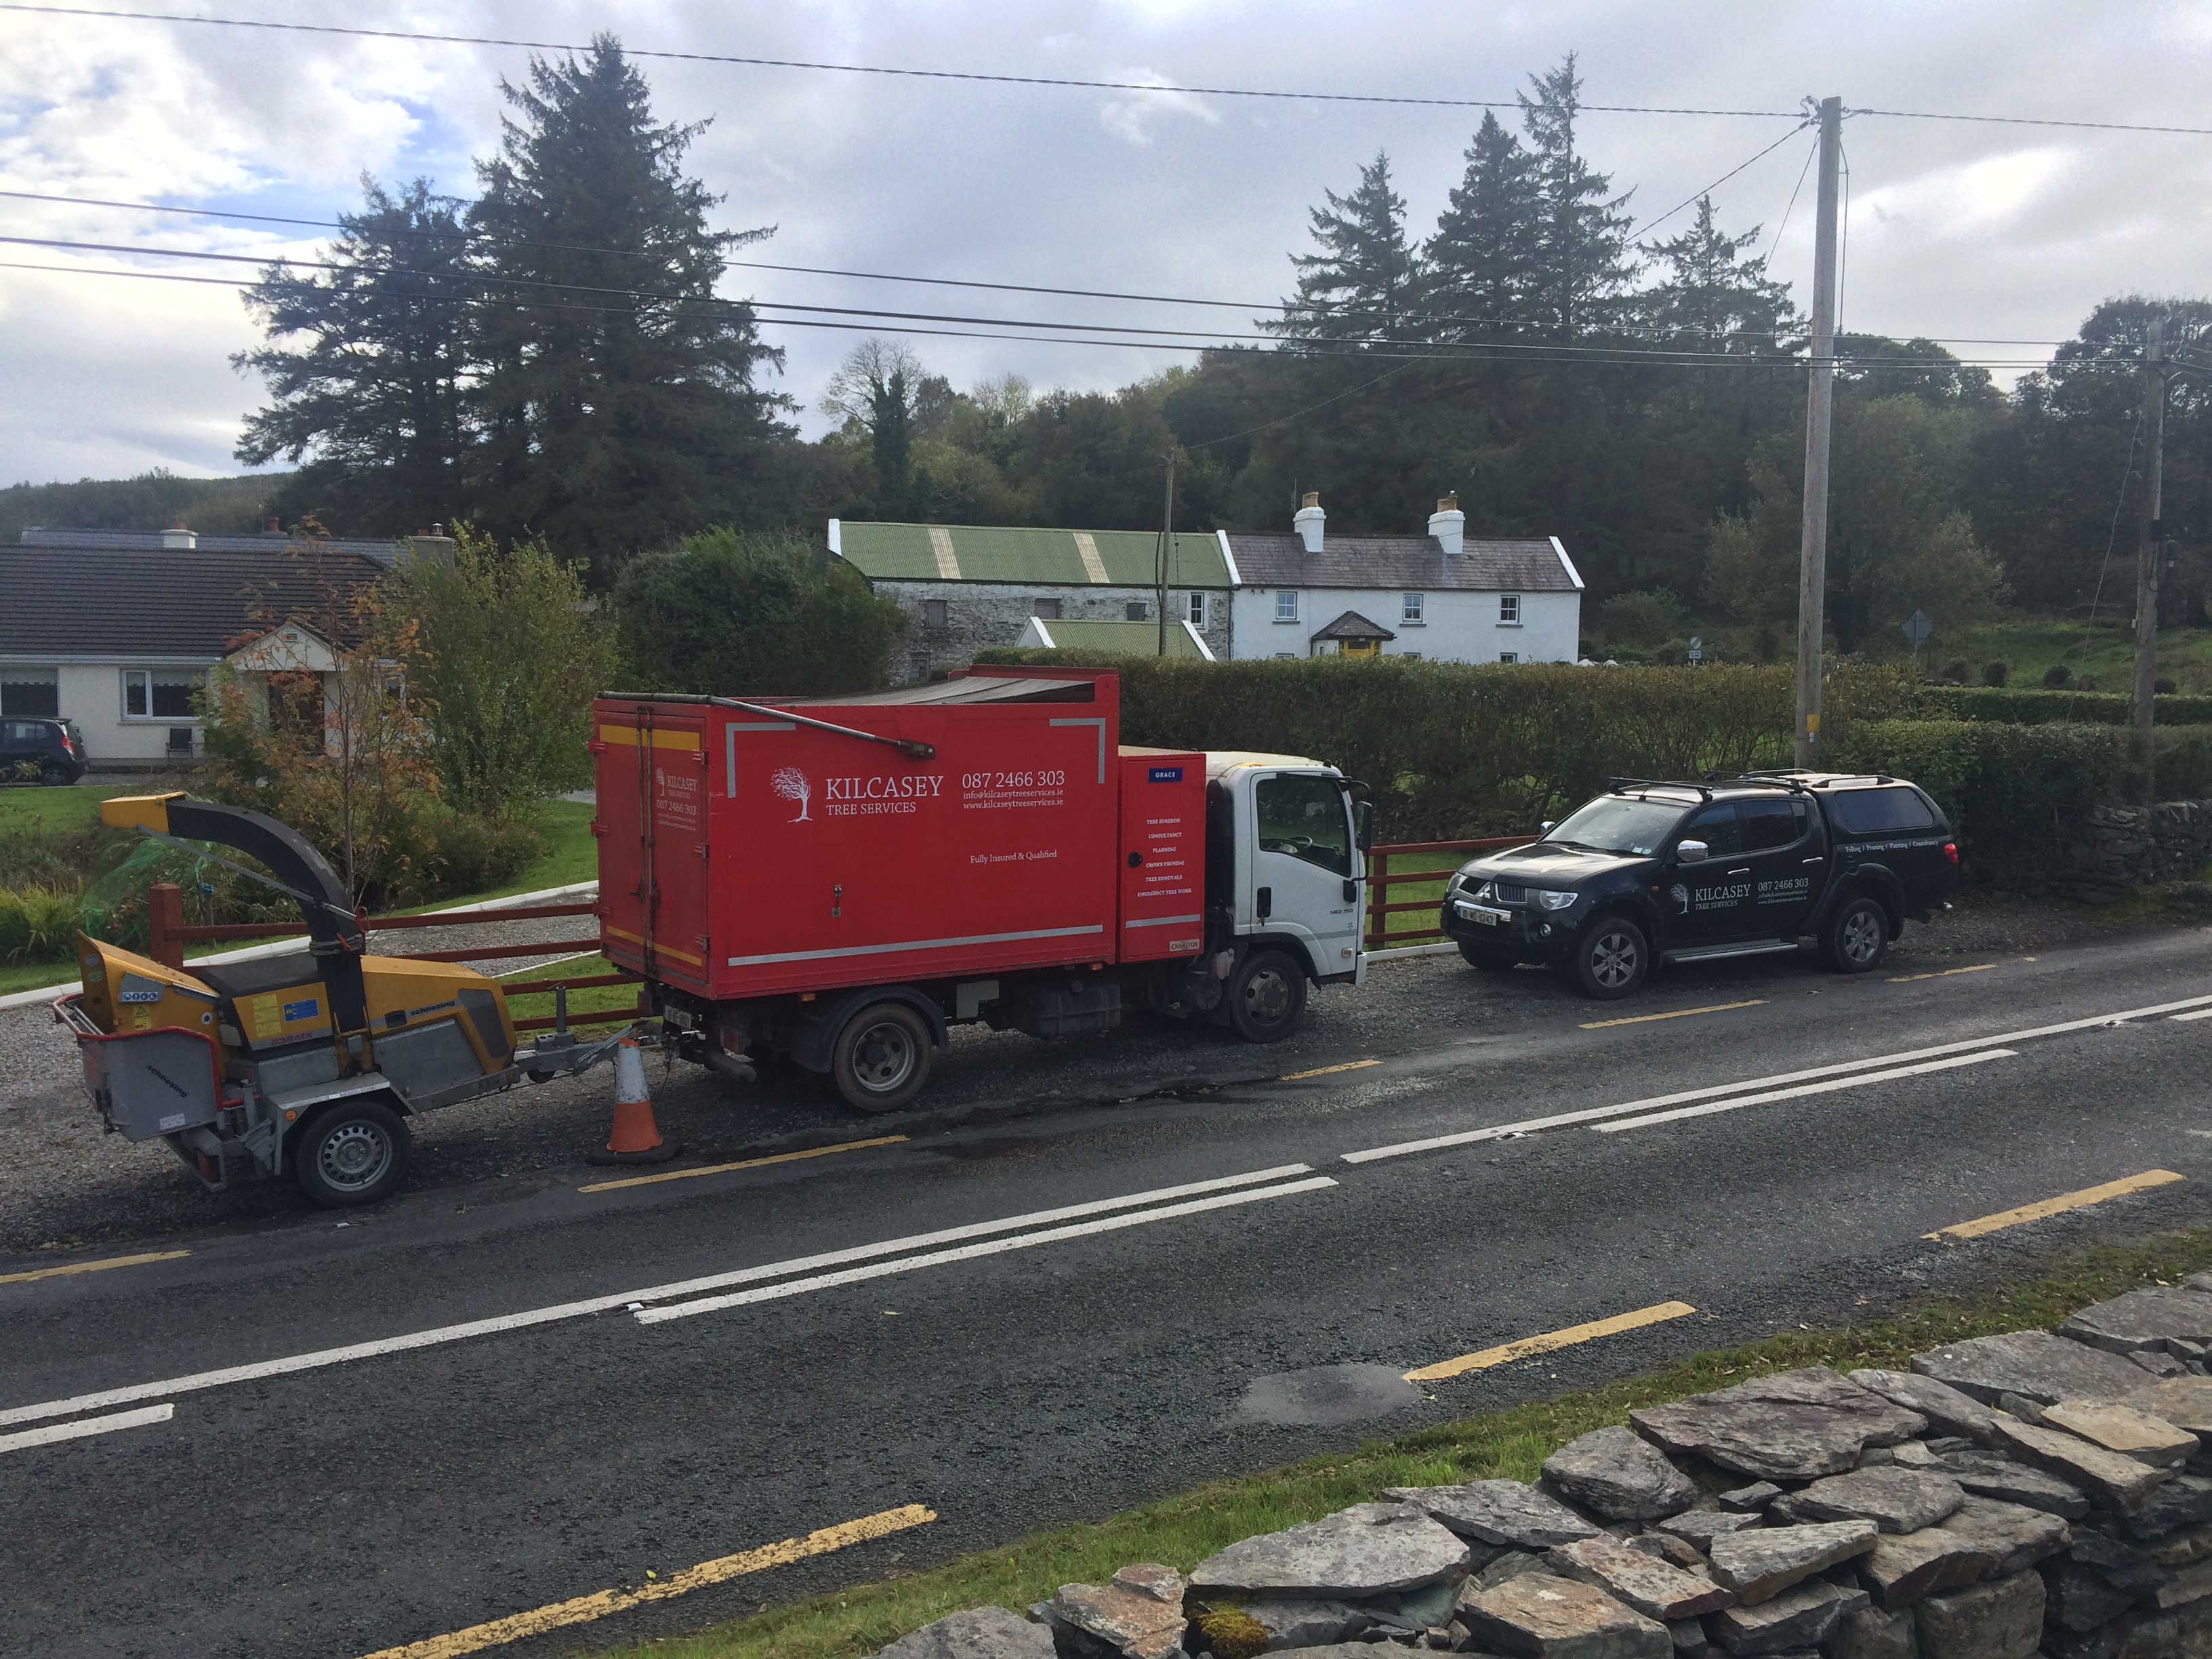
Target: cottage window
[[1045, 610], [1286, 605], [31, 693], [1414, 609], [1509, 656], [1197, 612], [1508, 611], [1135, 610], [934, 612], [917, 665], [159, 694]]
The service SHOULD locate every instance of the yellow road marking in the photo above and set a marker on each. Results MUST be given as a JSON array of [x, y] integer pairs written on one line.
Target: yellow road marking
[[2003, 1219], [1944, 973], [1326, 1071], [92, 1267], [585, 1608], [1678, 1013], [743, 1164], [1550, 1340]]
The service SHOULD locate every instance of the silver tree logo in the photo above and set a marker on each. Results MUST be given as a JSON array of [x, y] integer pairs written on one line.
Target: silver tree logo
[[791, 784]]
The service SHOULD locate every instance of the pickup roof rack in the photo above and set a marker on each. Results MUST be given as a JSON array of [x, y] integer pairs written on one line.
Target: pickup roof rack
[[1620, 785]]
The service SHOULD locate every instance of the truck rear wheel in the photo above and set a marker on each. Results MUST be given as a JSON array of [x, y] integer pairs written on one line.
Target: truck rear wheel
[[1267, 997], [356, 1152], [881, 1058]]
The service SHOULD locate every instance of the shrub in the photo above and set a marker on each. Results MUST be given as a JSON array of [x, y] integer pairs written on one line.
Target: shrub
[[1644, 618], [2163, 687], [38, 924], [2081, 702], [2085, 683], [472, 854], [2057, 676], [1956, 672], [1994, 673]]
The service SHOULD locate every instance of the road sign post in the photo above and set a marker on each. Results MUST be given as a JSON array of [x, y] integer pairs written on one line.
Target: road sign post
[[1917, 627]]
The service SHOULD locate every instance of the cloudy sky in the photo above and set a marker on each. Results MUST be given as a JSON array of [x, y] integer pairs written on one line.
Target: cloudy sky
[[1985, 234]]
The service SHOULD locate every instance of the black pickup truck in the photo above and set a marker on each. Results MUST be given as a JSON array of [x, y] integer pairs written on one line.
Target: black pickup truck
[[1694, 871]]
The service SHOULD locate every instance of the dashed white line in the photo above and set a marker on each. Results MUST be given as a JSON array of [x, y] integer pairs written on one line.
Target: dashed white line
[[87, 1426], [1735, 1102]]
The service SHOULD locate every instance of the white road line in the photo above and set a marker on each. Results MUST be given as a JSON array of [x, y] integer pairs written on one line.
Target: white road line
[[439, 1335], [1855, 1082], [1566, 1120], [971, 1252], [2201, 1013], [88, 1425]]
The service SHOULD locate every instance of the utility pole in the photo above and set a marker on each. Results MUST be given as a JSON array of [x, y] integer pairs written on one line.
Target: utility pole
[[1820, 405], [1167, 545], [2150, 549]]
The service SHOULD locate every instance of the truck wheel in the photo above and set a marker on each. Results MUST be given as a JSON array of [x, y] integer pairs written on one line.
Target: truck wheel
[[1611, 958], [882, 1057], [1489, 964], [1267, 997], [1858, 939], [355, 1153]]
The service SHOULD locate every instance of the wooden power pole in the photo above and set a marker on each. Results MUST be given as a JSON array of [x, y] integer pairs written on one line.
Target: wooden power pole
[[1819, 406], [2150, 549]]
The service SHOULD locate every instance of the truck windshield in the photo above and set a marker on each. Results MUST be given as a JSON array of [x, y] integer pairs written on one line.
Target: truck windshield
[[1614, 823], [1304, 817]]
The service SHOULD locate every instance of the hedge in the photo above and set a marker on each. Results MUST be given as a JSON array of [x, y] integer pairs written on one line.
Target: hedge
[[1460, 750], [2023, 707]]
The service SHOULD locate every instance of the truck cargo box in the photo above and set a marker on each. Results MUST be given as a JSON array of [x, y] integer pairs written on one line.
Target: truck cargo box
[[963, 828]]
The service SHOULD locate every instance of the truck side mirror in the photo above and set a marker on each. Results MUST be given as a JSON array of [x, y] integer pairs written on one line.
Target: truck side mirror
[[1690, 852], [1363, 824]]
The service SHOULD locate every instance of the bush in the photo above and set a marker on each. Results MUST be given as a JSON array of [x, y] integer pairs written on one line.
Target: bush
[[2163, 687], [2085, 683], [474, 855], [2056, 677], [1644, 618], [1956, 672], [2082, 703], [38, 924], [1994, 673]]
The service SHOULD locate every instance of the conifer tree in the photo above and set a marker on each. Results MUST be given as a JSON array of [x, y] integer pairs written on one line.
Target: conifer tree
[[1581, 254], [1714, 293], [1361, 287], [1480, 268]]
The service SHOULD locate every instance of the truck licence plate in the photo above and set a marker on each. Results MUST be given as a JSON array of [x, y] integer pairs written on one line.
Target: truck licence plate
[[1487, 917]]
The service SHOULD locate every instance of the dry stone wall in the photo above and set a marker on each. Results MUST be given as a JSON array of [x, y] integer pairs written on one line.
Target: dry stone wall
[[2021, 1495], [2117, 849]]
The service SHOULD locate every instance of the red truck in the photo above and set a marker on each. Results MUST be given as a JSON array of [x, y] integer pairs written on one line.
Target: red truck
[[838, 881]]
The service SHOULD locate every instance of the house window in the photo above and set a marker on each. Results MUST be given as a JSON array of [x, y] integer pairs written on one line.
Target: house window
[[1286, 605], [30, 692], [1135, 610], [1045, 610], [1508, 611], [917, 665], [1411, 656], [159, 694], [1287, 656], [1509, 656], [1414, 609], [1196, 613], [935, 612]]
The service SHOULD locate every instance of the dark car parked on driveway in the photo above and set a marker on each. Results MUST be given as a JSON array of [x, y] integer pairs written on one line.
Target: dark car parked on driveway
[[38, 750], [1695, 872]]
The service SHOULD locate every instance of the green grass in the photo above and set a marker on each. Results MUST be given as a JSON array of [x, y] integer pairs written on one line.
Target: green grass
[[2028, 646], [592, 1000], [75, 807], [1183, 1531]]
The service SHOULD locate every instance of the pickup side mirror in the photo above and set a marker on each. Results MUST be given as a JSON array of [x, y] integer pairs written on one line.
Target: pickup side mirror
[[1690, 852], [1363, 824], [1547, 826]]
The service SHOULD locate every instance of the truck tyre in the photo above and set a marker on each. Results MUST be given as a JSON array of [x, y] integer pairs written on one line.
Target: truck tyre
[[1611, 958], [355, 1152], [1267, 997], [881, 1059], [1489, 964], [1857, 938]]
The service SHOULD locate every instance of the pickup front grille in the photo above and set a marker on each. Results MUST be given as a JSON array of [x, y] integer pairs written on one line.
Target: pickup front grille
[[1510, 894]]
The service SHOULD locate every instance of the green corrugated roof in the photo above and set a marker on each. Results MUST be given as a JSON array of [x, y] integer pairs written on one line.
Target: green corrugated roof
[[995, 553], [1129, 639]]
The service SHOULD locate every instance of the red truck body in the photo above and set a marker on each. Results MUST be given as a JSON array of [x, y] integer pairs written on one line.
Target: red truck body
[[747, 851]]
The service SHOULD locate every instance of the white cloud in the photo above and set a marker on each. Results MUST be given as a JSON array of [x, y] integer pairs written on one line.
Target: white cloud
[[1131, 118]]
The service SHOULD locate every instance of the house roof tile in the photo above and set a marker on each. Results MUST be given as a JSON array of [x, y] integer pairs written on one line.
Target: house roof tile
[[1416, 563], [1027, 556]]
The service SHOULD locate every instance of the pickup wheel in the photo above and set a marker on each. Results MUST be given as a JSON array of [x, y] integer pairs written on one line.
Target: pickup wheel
[[1489, 964], [881, 1059], [1611, 958], [1857, 938], [1267, 997], [356, 1152]]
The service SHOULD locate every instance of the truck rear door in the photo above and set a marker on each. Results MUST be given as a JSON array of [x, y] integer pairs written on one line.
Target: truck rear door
[[1306, 873], [651, 820]]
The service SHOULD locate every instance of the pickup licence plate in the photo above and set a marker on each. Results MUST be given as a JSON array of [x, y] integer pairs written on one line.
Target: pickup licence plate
[[1484, 914]]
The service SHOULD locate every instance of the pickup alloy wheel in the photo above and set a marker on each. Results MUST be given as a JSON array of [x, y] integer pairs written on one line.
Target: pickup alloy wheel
[[881, 1059], [1267, 997], [1611, 958], [1858, 939]]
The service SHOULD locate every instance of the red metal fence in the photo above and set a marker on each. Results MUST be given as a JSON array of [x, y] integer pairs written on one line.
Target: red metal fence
[[168, 933], [1381, 879]]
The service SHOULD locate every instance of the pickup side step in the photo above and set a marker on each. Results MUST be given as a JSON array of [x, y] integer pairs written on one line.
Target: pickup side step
[[1764, 947]]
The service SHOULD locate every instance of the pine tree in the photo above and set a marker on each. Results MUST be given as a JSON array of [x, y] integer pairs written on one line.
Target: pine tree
[[617, 394], [1581, 257], [1479, 268], [1362, 287], [1713, 293], [374, 395]]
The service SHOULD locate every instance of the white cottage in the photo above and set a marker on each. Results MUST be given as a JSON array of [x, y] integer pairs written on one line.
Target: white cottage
[[1441, 596]]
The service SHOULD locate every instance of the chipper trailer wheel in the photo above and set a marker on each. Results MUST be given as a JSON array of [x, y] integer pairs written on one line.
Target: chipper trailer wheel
[[355, 1152]]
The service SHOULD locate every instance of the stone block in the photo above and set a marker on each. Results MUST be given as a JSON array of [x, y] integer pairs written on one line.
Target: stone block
[[1751, 1499], [979, 1634], [2183, 1633], [1793, 1425], [2080, 1601], [1539, 1617], [1898, 1500], [1368, 1550], [2184, 1402], [1654, 1588], [1803, 1616], [2189, 1583], [1944, 1407], [1613, 1473], [2149, 1318], [2184, 1501], [1140, 1614], [1992, 1474], [1699, 1528], [2034, 1364], [2014, 1536], [2122, 1428], [1870, 1633], [1901, 1571], [1504, 1512], [1761, 1563], [1998, 1620], [2120, 1481]]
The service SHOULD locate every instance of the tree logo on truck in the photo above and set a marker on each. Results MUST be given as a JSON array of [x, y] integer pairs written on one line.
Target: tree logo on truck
[[791, 784]]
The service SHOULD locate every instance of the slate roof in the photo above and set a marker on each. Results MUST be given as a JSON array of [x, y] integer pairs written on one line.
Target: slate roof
[[1353, 626], [1414, 563], [385, 553], [1025, 557], [72, 601], [1128, 639]]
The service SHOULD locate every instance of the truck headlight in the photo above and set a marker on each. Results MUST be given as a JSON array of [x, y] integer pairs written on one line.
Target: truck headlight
[[1556, 900]]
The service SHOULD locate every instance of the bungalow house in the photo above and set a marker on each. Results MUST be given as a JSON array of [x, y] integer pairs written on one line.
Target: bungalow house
[[117, 630]]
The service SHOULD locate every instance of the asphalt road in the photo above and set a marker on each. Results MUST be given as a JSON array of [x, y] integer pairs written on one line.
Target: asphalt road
[[1129, 1279]]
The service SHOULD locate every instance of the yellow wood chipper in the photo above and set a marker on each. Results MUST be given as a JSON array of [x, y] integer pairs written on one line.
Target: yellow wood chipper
[[312, 1059]]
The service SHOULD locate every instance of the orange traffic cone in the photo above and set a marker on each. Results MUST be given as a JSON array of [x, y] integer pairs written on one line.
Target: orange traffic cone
[[636, 1138]]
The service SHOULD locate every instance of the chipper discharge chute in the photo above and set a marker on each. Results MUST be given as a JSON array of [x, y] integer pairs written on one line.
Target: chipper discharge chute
[[313, 1059]]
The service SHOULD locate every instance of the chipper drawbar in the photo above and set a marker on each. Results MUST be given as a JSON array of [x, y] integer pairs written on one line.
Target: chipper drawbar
[[317, 1058]]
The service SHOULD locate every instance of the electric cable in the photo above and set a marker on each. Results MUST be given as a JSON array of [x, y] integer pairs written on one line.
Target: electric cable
[[2119, 502], [1723, 179], [1775, 247]]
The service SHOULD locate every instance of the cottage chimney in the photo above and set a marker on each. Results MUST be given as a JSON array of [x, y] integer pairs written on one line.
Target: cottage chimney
[[1308, 521], [1447, 523], [274, 528], [177, 536]]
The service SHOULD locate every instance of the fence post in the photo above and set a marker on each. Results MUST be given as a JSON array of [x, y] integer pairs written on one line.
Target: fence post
[[1378, 889], [165, 921]]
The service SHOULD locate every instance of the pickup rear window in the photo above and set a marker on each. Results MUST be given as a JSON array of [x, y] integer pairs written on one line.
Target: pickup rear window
[[1876, 811]]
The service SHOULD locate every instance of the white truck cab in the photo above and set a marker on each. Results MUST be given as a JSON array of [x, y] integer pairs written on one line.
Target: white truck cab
[[1286, 839]]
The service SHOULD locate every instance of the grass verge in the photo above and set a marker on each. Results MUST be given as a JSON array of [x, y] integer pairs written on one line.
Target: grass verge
[[1512, 1443], [592, 1000]]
